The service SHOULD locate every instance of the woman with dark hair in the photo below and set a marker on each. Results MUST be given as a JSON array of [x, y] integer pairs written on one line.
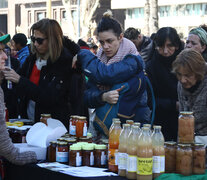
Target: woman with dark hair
[[189, 68], [44, 83], [197, 40], [168, 46], [116, 76]]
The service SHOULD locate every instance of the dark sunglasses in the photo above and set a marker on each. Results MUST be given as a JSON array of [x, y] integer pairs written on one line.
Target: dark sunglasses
[[39, 40]]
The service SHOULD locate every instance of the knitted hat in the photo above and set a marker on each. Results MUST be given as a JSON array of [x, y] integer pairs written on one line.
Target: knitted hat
[[201, 33], [5, 39]]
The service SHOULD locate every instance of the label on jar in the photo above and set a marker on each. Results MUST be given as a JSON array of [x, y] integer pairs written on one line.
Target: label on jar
[[122, 162], [116, 157], [132, 163], [162, 164], [62, 156], [78, 159], [144, 166], [85, 129], [156, 164], [72, 129], [103, 158], [91, 159]]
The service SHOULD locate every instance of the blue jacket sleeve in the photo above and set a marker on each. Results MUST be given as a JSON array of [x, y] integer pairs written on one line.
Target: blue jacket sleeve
[[92, 96], [109, 74]]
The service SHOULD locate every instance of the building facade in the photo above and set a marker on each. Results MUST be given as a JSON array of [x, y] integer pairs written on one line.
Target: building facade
[[19, 15], [182, 15]]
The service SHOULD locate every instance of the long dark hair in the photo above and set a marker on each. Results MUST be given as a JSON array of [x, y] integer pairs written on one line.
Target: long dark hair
[[167, 33]]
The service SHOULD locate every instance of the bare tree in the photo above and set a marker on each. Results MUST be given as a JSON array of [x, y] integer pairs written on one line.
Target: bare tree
[[147, 17], [87, 10], [151, 17], [153, 22]]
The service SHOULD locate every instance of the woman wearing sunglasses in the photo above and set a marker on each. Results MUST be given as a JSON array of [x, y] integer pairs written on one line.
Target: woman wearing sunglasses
[[44, 82]]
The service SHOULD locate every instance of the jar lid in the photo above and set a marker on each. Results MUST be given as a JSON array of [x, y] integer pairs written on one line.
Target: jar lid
[[184, 145], [89, 147], [126, 125], [186, 113], [75, 147], [172, 143], [62, 143], [70, 140], [61, 139], [45, 115], [53, 142], [147, 125], [137, 124], [100, 146], [89, 135], [156, 127], [198, 145]]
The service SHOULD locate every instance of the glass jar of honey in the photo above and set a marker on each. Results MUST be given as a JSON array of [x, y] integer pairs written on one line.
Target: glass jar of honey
[[44, 118], [100, 155], [170, 156], [186, 127], [184, 159], [75, 155], [199, 158], [52, 151]]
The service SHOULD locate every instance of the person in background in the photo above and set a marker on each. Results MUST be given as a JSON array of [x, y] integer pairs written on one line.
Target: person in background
[[10, 96], [197, 40], [116, 62], [83, 44], [189, 68], [143, 44], [7, 149], [93, 47], [164, 83], [44, 81], [19, 42]]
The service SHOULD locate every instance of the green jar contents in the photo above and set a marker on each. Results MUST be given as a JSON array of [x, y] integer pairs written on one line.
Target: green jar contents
[[100, 155], [75, 155], [88, 155]]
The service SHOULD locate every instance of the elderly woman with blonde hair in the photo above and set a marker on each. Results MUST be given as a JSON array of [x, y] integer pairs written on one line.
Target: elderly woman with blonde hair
[[190, 70]]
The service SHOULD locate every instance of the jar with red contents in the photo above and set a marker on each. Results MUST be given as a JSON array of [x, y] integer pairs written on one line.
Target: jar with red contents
[[62, 152], [72, 126], [81, 127]]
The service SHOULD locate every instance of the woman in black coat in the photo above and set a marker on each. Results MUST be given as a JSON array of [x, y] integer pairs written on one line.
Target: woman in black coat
[[44, 82], [167, 46]]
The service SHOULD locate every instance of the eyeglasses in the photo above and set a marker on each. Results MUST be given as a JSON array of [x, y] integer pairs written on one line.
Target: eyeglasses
[[39, 40]]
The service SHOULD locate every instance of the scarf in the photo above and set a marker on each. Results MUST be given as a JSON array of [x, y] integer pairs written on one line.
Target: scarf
[[201, 33], [126, 47]]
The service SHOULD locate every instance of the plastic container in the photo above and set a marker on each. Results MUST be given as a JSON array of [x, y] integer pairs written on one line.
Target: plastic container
[[122, 157], [144, 155], [131, 172], [158, 152], [113, 147]]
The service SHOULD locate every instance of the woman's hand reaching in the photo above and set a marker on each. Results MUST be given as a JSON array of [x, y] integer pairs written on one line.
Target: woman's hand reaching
[[11, 75]]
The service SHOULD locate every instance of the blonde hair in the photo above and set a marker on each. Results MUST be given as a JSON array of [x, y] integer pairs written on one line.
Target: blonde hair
[[108, 14]]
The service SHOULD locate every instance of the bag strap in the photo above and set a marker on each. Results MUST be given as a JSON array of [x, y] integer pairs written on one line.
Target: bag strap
[[153, 98]]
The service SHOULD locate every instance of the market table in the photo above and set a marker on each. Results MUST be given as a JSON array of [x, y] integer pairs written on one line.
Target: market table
[[34, 172]]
